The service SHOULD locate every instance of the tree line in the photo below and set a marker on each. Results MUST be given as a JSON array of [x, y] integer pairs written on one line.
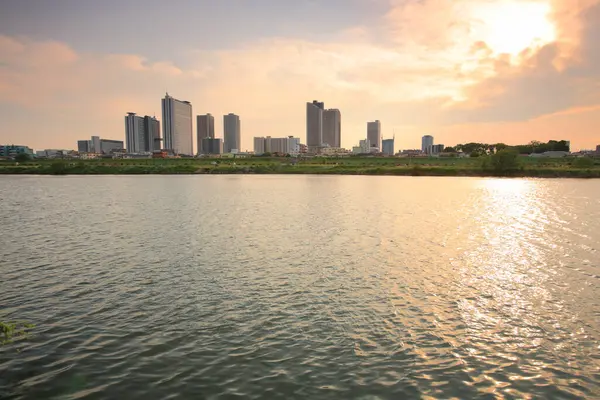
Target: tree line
[[477, 149]]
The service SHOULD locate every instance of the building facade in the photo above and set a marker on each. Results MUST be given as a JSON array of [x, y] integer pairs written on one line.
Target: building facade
[[314, 124], [134, 133], [177, 126], [11, 150], [437, 149], [95, 148], [212, 146], [152, 133], [332, 128], [231, 133], [288, 145], [427, 144], [388, 147], [84, 146], [142, 134], [374, 133], [108, 146], [205, 128]]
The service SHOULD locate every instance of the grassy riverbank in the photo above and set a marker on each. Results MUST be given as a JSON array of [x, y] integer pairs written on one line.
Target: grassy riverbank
[[525, 167]]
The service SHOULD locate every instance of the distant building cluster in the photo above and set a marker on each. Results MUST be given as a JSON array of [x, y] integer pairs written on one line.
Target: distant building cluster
[[145, 138], [323, 127], [429, 148], [288, 145], [96, 145]]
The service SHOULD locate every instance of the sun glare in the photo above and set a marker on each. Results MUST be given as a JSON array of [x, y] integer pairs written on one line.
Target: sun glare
[[509, 27]]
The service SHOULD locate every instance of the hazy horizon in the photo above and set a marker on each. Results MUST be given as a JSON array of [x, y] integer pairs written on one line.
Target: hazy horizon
[[463, 71]]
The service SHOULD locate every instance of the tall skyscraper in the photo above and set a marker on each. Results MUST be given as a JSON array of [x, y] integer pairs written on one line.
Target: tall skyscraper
[[142, 134], [231, 133], [427, 144], [388, 147], [205, 128], [332, 128], [177, 126], [374, 133], [135, 141], [314, 124], [152, 133]]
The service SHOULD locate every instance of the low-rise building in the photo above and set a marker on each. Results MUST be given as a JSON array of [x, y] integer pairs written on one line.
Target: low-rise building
[[12, 150]]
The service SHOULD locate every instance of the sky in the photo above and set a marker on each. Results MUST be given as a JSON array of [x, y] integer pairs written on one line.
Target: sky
[[490, 71]]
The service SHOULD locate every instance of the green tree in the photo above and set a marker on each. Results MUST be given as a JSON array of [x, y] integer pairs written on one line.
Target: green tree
[[22, 157], [449, 149], [504, 161]]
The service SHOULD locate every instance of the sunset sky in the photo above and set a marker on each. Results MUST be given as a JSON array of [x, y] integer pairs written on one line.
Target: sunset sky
[[463, 70]]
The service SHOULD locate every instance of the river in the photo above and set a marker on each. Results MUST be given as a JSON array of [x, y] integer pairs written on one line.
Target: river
[[281, 287]]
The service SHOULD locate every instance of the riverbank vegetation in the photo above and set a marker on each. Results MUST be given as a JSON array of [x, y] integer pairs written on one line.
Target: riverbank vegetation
[[506, 162]]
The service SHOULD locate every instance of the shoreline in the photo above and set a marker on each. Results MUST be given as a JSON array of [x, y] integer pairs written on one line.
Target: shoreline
[[548, 174], [355, 166]]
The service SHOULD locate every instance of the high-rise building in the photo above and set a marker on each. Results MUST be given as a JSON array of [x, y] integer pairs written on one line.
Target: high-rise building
[[205, 128], [211, 145], [142, 134], [259, 146], [231, 133], [427, 144], [84, 146], [177, 126], [314, 124], [374, 133], [388, 147], [332, 128], [134, 133], [152, 133]]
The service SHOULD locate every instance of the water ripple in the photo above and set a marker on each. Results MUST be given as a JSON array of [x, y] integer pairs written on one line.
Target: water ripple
[[300, 287]]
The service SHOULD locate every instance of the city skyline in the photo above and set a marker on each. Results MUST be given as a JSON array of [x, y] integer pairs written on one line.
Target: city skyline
[[520, 71]]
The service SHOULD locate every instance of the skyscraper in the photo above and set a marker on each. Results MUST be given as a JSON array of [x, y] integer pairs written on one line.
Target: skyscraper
[[177, 125], [374, 133], [142, 134], [205, 128], [134, 133], [231, 133], [427, 144], [314, 124], [152, 133], [332, 128]]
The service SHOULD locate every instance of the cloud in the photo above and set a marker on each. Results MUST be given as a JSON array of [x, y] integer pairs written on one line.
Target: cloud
[[425, 69]]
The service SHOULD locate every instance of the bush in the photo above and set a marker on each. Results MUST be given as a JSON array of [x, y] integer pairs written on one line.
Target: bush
[[584, 162], [58, 168], [22, 157], [504, 161]]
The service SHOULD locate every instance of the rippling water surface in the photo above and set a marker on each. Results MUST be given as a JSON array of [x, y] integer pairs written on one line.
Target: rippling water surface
[[159, 287]]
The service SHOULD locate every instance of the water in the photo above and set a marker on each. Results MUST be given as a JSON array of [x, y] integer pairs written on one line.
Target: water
[[157, 287]]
